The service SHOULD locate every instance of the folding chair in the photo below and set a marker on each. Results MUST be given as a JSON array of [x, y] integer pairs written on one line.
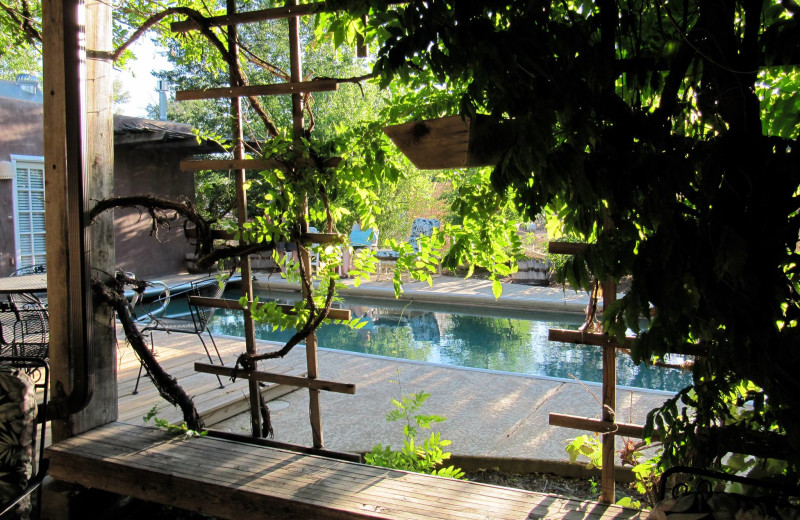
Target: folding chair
[[197, 323]]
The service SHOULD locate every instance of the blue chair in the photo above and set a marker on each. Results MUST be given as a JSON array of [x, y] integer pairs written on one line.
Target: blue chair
[[420, 227]]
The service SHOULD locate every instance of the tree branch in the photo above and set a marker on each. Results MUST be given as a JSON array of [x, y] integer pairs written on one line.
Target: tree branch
[[166, 385]]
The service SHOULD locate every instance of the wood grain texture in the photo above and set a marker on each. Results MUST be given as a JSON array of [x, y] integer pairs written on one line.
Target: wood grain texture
[[275, 89], [271, 377], [233, 480]]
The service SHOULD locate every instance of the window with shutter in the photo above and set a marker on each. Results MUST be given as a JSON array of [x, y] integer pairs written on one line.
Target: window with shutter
[[29, 211]]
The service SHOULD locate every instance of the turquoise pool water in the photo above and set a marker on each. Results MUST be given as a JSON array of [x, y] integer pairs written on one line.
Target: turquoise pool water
[[482, 338]]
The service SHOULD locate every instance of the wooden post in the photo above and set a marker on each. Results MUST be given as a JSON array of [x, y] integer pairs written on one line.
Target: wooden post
[[102, 409], [607, 484], [241, 213], [298, 130], [75, 356]]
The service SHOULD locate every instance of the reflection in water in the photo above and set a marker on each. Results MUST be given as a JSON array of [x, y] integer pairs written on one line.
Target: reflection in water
[[510, 344]]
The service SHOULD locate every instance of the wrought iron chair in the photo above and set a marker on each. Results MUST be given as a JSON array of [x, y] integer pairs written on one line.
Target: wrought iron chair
[[24, 330], [196, 323], [22, 463]]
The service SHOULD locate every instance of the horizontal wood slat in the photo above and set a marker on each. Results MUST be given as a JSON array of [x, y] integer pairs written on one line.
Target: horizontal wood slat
[[189, 165], [275, 89], [566, 248], [597, 425], [224, 303], [598, 339], [315, 384], [234, 480], [261, 15]]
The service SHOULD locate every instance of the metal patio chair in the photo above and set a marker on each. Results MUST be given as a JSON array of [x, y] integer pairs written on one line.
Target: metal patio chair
[[196, 323], [24, 330]]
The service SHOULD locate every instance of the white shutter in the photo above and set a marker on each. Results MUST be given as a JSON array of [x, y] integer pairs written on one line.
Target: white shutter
[[29, 212]]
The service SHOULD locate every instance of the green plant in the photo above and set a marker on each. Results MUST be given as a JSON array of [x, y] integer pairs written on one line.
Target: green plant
[[587, 446], [169, 427], [647, 472], [420, 458]]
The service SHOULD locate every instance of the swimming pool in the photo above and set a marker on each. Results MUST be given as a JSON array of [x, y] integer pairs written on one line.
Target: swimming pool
[[485, 338]]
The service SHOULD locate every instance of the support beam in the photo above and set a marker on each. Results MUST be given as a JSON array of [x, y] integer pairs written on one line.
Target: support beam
[[597, 425], [281, 379]]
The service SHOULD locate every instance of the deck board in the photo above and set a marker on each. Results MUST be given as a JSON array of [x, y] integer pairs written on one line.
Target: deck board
[[229, 480]]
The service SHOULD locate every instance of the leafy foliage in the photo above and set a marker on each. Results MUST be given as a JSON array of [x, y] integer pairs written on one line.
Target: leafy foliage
[[176, 429], [640, 124], [426, 457]]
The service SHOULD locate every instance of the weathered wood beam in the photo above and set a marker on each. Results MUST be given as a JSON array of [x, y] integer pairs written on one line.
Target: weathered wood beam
[[190, 165], [296, 87], [262, 15], [282, 379], [597, 425], [224, 303], [598, 339], [566, 248]]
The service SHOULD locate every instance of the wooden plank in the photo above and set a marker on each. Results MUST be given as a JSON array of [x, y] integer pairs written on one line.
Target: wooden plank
[[224, 303], [276, 89], [233, 480], [599, 339], [262, 15], [314, 384], [309, 238], [596, 425], [194, 165], [433, 144], [449, 142], [56, 156], [102, 407], [566, 248], [607, 478]]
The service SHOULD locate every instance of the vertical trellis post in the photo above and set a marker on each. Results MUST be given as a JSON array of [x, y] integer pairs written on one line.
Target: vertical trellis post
[[305, 258], [241, 214]]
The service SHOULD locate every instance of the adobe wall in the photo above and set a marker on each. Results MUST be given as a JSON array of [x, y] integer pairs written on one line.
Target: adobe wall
[[142, 172], [22, 135]]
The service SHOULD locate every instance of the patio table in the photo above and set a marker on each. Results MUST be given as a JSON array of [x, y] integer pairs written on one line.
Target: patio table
[[25, 284]]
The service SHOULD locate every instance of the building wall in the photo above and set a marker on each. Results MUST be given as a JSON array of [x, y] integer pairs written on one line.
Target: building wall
[[21, 123], [140, 170], [137, 251]]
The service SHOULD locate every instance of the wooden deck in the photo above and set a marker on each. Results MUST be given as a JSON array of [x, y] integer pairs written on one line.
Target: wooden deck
[[231, 480], [177, 353]]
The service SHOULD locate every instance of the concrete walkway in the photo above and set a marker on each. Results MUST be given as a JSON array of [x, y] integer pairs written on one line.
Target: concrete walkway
[[493, 420]]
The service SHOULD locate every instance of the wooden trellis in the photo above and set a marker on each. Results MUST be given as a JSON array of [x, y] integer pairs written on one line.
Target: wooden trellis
[[608, 425], [235, 91]]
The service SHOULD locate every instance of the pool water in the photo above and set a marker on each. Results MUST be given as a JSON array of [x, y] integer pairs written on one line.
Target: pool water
[[481, 338]]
